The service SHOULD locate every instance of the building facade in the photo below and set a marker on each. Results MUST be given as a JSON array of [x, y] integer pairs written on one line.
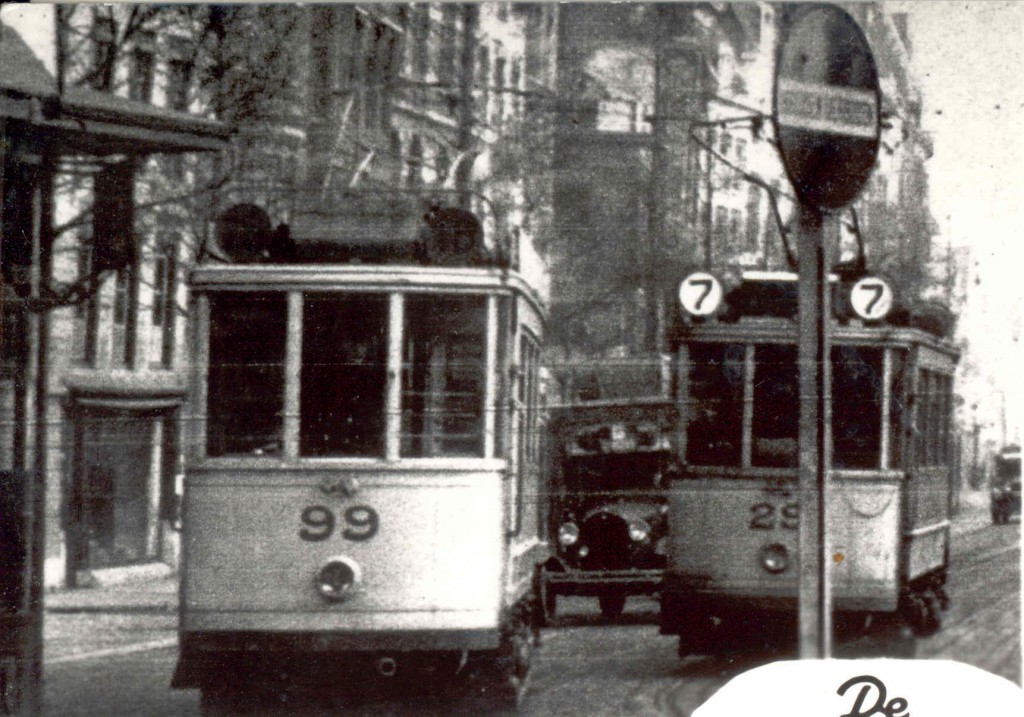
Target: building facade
[[698, 183]]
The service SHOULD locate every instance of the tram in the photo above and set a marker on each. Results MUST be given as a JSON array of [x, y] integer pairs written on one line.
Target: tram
[[733, 560], [361, 498]]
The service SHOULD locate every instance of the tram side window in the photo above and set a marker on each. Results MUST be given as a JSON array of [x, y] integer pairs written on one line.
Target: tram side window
[[856, 406], [344, 375], [935, 394], [776, 418], [443, 373], [898, 415], [715, 430], [245, 392]]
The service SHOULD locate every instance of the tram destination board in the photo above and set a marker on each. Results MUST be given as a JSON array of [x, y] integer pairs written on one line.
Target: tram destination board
[[826, 106]]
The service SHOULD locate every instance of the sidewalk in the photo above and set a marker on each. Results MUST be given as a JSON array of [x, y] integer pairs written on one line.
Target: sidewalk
[[146, 589], [156, 591]]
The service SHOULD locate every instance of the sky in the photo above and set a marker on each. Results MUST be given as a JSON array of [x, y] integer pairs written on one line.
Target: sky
[[968, 58]]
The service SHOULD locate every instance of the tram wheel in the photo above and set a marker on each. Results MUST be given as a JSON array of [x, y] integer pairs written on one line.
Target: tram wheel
[[933, 606], [507, 679], [612, 605], [225, 702], [550, 604]]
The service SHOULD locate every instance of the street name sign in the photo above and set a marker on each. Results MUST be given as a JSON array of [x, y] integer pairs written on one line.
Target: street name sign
[[826, 106]]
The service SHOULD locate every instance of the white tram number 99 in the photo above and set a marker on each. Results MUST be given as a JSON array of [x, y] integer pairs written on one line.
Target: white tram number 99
[[361, 523], [766, 516]]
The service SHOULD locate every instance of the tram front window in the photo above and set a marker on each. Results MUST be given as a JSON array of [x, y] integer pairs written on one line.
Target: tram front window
[[245, 395], [856, 407], [714, 436], [776, 418], [443, 374], [344, 374]]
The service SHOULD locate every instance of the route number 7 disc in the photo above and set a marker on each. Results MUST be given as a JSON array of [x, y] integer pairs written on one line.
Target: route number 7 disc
[[871, 298], [700, 294]]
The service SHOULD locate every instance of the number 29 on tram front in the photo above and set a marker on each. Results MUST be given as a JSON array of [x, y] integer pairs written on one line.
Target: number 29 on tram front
[[361, 499]]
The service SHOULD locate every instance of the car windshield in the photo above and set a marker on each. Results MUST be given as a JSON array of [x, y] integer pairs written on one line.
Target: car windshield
[[613, 473], [1008, 469]]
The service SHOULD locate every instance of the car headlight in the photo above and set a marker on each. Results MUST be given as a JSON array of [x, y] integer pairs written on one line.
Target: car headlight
[[774, 558], [337, 578], [639, 531], [568, 534]]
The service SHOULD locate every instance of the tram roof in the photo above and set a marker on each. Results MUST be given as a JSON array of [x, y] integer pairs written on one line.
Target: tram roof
[[785, 330], [361, 277]]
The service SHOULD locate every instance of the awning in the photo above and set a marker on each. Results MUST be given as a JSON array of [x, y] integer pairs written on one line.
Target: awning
[[87, 121]]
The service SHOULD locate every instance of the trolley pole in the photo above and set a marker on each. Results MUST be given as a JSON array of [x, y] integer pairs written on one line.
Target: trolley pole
[[815, 598]]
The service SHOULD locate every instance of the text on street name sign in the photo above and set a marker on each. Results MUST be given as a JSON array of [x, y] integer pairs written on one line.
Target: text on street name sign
[[827, 108]]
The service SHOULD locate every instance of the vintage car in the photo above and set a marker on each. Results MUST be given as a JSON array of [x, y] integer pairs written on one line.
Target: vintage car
[[1005, 491], [608, 512]]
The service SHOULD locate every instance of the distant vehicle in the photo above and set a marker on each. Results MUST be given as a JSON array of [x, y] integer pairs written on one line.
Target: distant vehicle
[[1005, 491], [608, 510]]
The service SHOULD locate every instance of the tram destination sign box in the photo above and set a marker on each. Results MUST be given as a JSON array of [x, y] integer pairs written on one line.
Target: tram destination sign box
[[826, 106]]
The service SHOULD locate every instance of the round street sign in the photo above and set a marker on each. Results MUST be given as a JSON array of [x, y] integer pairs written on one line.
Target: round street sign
[[826, 106], [871, 298], [700, 293]]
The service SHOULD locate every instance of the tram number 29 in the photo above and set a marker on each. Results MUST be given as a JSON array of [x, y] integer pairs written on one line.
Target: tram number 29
[[361, 523], [766, 516]]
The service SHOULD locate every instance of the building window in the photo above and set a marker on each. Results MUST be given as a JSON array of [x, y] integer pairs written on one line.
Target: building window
[[126, 304], [741, 153], [734, 228], [483, 79], [500, 64], [164, 301], [321, 62], [753, 216], [102, 34], [724, 143], [376, 68], [421, 40], [448, 51], [140, 71], [87, 312], [414, 164], [179, 77], [514, 82], [721, 224], [442, 165], [121, 283]]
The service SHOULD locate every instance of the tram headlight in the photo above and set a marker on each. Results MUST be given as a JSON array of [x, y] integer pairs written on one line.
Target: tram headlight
[[639, 531], [774, 558], [337, 578], [568, 534]]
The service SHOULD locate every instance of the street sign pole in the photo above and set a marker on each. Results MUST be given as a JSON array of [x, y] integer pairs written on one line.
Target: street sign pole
[[815, 599], [826, 112]]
